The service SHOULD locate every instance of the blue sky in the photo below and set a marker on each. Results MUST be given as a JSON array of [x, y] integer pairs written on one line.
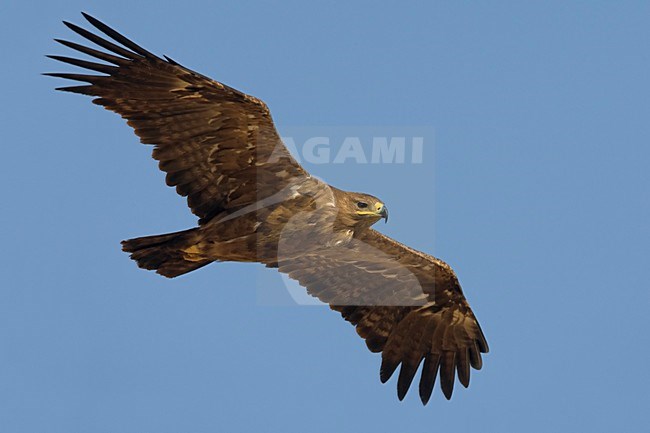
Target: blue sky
[[537, 195]]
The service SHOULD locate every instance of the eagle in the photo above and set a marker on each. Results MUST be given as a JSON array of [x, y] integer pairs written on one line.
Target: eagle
[[219, 148]]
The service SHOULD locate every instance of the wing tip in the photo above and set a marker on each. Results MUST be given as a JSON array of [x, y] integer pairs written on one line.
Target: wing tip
[[91, 19], [406, 375], [71, 26], [428, 376], [387, 369], [118, 37]]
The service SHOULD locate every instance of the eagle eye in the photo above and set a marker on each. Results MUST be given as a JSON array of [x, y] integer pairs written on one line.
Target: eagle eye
[[362, 205]]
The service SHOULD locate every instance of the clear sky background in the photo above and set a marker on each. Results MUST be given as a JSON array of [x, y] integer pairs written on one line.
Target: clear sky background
[[539, 199]]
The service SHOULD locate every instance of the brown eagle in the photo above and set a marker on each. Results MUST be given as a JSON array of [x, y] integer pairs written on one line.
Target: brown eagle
[[255, 203]]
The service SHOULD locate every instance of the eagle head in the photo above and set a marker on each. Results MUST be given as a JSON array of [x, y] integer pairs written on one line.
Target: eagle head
[[365, 209]]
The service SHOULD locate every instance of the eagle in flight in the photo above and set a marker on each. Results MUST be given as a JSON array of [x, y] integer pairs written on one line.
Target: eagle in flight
[[255, 203]]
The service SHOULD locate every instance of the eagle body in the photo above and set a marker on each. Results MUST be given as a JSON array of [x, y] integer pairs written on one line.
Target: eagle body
[[302, 218], [255, 203]]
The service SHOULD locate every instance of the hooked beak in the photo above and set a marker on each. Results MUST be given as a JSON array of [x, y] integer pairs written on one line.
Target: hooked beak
[[384, 214]]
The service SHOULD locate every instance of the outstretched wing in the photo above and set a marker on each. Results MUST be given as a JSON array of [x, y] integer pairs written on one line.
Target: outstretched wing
[[218, 146], [404, 303]]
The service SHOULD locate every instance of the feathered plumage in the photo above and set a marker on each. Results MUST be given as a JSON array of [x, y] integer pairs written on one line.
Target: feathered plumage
[[255, 203]]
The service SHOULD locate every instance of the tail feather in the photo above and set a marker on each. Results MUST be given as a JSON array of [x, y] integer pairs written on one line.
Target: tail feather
[[164, 253]]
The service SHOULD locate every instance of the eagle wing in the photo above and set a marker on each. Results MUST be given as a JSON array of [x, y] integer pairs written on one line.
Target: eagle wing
[[218, 146], [404, 303]]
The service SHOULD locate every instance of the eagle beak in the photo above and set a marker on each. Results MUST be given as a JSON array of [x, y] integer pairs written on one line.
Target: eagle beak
[[384, 214]]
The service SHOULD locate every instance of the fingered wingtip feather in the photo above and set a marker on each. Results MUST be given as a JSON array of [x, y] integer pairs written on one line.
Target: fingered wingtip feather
[[94, 53], [101, 41], [71, 26], [117, 36], [82, 90], [387, 369], [406, 375], [428, 377], [98, 67], [75, 77], [91, 19], [447, 373]]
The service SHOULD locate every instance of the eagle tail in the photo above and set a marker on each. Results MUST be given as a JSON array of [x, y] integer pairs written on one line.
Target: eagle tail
[[166, 254]]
